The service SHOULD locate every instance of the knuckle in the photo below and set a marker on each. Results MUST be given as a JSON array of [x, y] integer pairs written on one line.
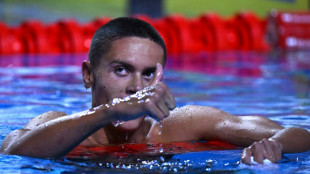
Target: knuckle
[[156, 96], [256, 144], [264, 140], [160, 89], [150, 103], [167, 114]]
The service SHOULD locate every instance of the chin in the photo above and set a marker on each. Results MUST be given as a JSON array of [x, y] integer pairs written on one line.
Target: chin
[[131, 125]]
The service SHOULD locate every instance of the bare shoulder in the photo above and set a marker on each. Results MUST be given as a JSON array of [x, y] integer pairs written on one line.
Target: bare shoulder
[[43, 118], [16, 134], [199, 111], [191, 123]]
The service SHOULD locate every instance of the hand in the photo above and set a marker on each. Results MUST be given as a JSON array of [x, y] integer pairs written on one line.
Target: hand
[[155, 100], [162, 101], [265, 149]]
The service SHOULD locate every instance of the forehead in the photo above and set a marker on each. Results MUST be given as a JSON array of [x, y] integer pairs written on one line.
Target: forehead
[[135, 50]]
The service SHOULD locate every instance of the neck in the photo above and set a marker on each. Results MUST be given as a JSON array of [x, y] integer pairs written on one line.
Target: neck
[[119, 135]]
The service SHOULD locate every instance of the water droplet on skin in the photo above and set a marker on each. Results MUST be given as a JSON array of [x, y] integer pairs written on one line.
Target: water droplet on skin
[[161, 149], [160, 125], [117, 123]]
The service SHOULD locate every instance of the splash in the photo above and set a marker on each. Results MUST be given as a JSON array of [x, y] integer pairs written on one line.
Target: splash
[[160, 126], [140, 95]]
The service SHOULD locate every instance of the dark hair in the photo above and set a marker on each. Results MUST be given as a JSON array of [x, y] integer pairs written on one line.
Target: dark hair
[[119, 28]]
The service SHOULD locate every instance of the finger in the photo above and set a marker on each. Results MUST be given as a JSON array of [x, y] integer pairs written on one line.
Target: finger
[[155, 111], [170, 104], [158, 74], [164, 108], [169, 100], [167, 95], [159, 100], [258, 152], [269, 153], [246, 156], [277, 149]]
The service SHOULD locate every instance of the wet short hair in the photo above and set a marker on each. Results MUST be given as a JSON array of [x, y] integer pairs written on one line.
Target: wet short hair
[[120, 28]]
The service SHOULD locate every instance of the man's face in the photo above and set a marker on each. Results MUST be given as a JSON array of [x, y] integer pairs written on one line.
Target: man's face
[[128, 67]]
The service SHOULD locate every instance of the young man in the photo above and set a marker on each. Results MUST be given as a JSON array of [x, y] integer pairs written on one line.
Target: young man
[[124, 72]]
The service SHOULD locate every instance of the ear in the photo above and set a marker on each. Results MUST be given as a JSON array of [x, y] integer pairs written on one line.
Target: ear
[[88, 78]]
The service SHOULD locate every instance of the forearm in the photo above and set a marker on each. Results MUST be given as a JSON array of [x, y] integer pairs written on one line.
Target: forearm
[[293, 140], [57, 137]]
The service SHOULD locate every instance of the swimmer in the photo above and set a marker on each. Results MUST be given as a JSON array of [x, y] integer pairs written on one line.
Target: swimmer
[[124, 72]]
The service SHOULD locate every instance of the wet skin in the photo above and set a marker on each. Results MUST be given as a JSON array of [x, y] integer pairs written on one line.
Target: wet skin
[[131, 65], [128, 67]]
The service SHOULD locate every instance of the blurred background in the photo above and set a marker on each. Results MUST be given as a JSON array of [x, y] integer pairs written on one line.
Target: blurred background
[[13, 12], [46, 26]]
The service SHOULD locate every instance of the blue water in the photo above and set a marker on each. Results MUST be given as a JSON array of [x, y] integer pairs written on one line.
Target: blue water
[[242, 83]]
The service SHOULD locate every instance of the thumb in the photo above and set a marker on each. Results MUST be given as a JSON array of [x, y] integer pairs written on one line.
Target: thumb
[[158, 74]]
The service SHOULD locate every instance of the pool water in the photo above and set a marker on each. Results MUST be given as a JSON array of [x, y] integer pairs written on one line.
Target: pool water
[[242, 83]]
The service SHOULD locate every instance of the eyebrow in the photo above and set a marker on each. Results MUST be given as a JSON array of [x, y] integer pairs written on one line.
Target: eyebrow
[[153, 68], [121, 62]]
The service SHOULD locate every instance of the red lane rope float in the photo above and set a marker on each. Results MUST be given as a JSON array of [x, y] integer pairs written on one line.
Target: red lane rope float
[[53, 31], [289, 30], [10, 40], [213, 32], [171, 36], [35, 37], [208, 32], [254, 38], [178, 29], [140, 149], [26, 37], [196, 34], [71, 38], [3, 38], [89, 29], [160, 26], [233, 36]]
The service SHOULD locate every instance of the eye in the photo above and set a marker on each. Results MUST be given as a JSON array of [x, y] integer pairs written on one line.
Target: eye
[[121, 71], [149, 75]]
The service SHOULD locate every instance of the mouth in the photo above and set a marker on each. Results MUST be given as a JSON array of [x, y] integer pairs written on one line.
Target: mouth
[[128, 125], [117, 123]]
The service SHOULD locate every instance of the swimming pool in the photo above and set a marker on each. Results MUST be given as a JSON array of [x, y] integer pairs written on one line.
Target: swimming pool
[[242, 83]]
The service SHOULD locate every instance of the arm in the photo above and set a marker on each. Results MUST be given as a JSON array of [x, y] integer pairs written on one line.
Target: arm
[[290, 140], [53, 138], [54, 134], [192, 123]]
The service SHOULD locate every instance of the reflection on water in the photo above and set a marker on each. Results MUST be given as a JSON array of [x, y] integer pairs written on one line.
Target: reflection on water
[[242, 83]]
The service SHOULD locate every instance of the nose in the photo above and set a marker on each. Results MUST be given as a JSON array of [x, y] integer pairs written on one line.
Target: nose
[[135, 84]]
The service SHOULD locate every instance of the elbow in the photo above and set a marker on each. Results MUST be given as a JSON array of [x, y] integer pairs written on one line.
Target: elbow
[[23, 150], [30, 153], [12, 149]]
